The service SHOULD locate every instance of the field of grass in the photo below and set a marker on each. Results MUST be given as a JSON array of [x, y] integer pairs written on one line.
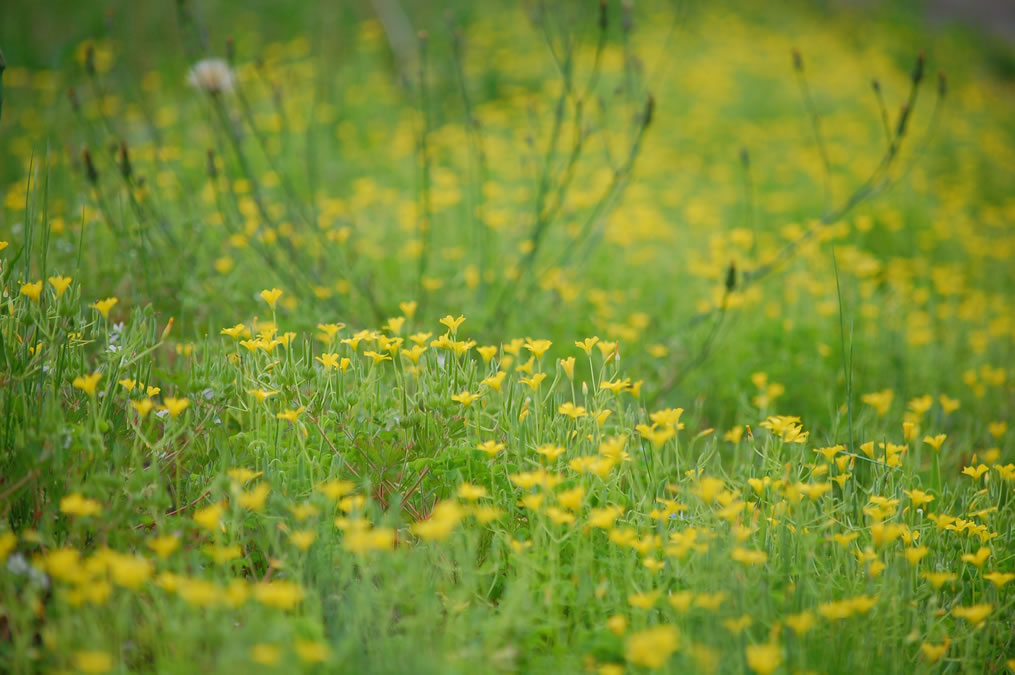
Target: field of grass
[[556, 337]]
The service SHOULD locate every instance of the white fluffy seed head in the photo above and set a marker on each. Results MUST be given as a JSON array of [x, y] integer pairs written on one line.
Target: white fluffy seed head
[[211, 75]]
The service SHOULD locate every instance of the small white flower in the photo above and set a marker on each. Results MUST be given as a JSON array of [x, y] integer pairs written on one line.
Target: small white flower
[[211, 75]]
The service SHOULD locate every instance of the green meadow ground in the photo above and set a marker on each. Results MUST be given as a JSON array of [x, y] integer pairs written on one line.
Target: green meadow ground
[[550, 338]]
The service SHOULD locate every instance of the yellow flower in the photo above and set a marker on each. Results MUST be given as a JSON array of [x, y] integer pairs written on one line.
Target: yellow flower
[[127, 384], [764, 658], [255, 498], [587, 344], [290, 415], [534, 381], [490, 447], [881, 401], [916, 554], [210, 517], [801, 623], [271, 297], [198, 592], [974, 614], [999, 579], [408, 308], [975, 471], [919, 497], [76, 505], [311, 652], [175, 406], [551, 452], [738, 625], [143, 407], [932, 653], [236, 332], [571, 499], [329, 361], [32, 291], [495, 381], [567, 365], [377, 357], [471, 492], [749, 557], [336, 489], [537, 347], [487, 352], [572, 411], [617, 624], [261, 394], [949, 405], [939, 579], [653, 647], [130, 571], [414, 353], [465, 398], [91, 661], [643, 600], [452, 323], [605, 517], [303, 539], [657, 437], [88, 383], [303, 511], [442, 521], [977, 558], [8, 540], [164, 545], [60, 284], [279, 594], [935, 441], [264, 654], [103, 306]]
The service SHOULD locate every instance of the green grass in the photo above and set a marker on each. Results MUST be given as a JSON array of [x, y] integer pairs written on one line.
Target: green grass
[[204, 475]]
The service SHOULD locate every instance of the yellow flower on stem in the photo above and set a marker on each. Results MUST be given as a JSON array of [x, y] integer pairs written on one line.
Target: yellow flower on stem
[[103, 306], [271, 297], [91, 661], [32, 291], [999, 579], [490, 447], [567, 365], [935, 441], [60, 284], [175, 406], [452, 323], [465, 398], [77, 505], [587, 344], [534, 381], [537, 347], [291, 415], [261, 394], [377, 357], [652, 647], [764, 658], [408, 308], [974, 614], [164, 545], [572, 411], [143, 407], [329, 361], [88, 383], [236, 332]]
